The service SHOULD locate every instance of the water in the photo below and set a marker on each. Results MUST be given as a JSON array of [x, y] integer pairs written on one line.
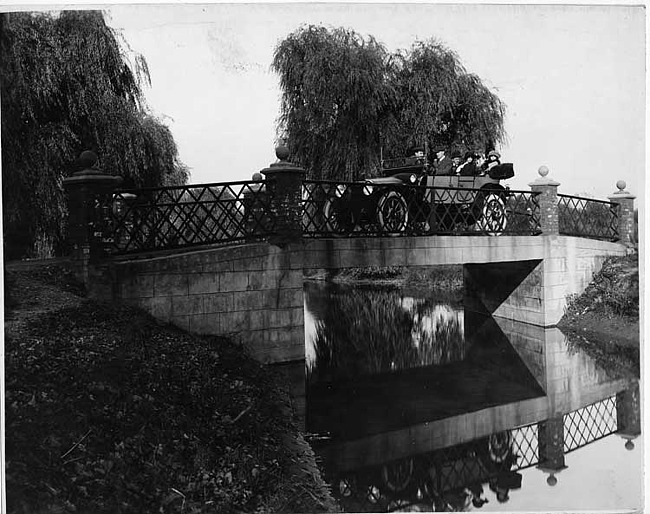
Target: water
[[413, 403]]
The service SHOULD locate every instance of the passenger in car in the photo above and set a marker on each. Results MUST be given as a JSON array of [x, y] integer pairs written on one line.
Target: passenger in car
[[493, 159], [456, 160], [479, 160], [443, 166], [468, 168]]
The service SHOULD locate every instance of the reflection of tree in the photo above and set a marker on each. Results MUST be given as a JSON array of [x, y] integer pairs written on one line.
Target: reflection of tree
[[612, 360], [372, 331], [435, 330]]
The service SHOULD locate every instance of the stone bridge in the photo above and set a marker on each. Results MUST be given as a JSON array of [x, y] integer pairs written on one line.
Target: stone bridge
[[253, 291]]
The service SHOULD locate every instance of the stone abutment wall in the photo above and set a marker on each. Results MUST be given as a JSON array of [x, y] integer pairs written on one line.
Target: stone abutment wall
[[251, 293]]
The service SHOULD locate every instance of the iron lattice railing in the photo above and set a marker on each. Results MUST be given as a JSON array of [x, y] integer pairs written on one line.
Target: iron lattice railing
[[585, 217], [150, 219], [358, 209], [581, 427], [184, 216], [586, 425], [525, 445], [447, 470]]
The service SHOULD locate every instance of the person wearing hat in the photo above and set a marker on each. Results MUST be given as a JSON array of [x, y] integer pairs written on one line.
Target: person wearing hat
[[444, 166], [468, 168], [493, 159], [455, 159]]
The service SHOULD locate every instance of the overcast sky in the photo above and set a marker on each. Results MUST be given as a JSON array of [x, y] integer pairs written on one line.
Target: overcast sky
[[572, 78]]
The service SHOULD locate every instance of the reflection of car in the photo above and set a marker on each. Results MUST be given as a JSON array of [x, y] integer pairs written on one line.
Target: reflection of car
[[408, 198], [439, 478]]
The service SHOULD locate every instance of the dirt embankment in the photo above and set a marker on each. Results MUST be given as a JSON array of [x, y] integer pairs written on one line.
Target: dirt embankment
[[109, 411], [604, 320], [609, 307]]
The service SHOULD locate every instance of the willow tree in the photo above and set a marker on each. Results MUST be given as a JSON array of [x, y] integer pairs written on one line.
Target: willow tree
[[439, 103], [426, 83], [345, 98], [335, 96], [66, 86]]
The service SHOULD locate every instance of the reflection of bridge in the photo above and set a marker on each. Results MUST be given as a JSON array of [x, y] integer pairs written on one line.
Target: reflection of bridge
[[164, 250], [580, 404]]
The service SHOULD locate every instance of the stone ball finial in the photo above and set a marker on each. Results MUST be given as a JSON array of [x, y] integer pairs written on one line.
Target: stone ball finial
[[282, 152], [551, 480], [87, 159], [621, 185], [543, 171], [629, 445]]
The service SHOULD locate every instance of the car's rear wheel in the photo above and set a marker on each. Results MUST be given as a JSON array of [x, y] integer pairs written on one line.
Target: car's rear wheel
[[492, 219], [392, 212], [336, 219]]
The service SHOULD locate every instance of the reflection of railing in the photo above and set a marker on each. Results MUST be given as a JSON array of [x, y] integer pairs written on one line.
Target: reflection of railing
[[589, 424], [462, 467], [586, 217], [185, 216], [581, 427], [365, 209]]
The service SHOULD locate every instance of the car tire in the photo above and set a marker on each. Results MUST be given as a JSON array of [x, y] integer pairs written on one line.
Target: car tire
[[392, 212], [492, 219], [498, 453], [335, 220], [397, 475]]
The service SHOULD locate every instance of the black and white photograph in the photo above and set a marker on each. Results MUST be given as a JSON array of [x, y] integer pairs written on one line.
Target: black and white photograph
[[318, 257]]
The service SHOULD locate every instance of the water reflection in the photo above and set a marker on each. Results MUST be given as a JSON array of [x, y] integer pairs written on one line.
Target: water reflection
[[364, 332], [421, 406]]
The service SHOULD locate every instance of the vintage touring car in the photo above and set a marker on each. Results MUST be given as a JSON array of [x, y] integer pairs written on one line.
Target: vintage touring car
[[409, 198]]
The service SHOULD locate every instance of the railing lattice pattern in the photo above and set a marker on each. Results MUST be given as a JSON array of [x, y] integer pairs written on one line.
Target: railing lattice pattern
[[131, 221], [357, 209], [185, 216], [589, 424], [585, 217]]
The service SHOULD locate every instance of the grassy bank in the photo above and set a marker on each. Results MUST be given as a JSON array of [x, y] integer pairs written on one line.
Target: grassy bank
[[109, 411], [604, 320]]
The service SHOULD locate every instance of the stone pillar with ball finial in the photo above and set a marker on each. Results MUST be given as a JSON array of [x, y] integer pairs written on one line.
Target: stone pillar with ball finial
[[84, 187], [550, 439], [625, 202], [284, 186], [548, 201], [628, 414]]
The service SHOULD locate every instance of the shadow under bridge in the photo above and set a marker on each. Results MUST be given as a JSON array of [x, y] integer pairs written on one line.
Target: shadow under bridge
[[523, 278]]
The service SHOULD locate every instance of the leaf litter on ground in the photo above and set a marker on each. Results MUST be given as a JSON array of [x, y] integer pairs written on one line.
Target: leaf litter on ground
[[110, 411]]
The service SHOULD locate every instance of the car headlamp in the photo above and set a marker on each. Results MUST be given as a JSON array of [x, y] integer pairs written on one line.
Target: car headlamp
[[413, 178], [367, 190], [340, 190]]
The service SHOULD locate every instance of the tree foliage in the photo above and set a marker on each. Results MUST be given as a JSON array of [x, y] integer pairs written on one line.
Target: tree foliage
[[345, 98], [335, 93], [67, 86]]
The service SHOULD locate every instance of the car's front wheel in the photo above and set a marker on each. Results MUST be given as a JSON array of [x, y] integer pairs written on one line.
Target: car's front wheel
[[492, 219], [392, 212], [397, 475]]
